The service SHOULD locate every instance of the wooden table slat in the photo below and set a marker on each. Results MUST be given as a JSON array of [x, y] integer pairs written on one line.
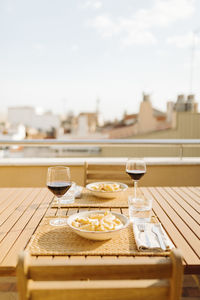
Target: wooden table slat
[[190, 198], [182, 224], [194, 198], [177, 238], [17, 213], [12, 236], [14, 201], [30, 227], [185, 211], [196, 190], [5, 194]]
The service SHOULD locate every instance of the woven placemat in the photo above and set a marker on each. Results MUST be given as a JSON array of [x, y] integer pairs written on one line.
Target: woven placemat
[[87, 199], [49, 240]]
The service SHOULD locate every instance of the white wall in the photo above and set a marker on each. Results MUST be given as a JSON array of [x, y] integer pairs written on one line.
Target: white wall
[[46, 121], [21, 115], [28, 117]]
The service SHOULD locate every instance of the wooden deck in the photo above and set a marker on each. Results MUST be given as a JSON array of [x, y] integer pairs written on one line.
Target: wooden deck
[[22, 209]]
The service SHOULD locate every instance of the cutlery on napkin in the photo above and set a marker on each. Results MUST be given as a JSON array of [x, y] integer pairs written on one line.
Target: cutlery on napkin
[[151, 237]]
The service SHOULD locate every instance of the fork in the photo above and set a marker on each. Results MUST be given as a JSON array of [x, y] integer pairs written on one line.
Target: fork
[[156, 231], [142, 228]]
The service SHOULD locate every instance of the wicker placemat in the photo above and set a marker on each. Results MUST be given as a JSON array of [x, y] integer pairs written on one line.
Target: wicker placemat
[[49, 240], [87, 199]]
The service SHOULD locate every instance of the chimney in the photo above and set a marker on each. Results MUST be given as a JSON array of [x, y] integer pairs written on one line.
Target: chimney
[[170, 109], [181, 98], [190, 98], [146, 97], [180, 103], [190, 104]]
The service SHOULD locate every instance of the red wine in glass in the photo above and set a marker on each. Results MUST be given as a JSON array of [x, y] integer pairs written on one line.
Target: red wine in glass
[[135, 168], [58, 182], [59, 188], [135, 174]]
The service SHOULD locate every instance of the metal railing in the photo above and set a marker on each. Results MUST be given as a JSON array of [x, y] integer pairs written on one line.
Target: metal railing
[[104, 142], [100, 141]]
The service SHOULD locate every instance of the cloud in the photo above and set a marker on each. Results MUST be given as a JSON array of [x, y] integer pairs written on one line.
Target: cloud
[[74, 48], [105, 26], [196, 62], [165, 13], [136, 37], [184, 41], [94, 4], [39, 49], [139, 28], [9, 6]]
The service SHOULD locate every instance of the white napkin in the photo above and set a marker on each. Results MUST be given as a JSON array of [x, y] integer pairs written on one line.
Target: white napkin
[[77, 191], [142, 241]]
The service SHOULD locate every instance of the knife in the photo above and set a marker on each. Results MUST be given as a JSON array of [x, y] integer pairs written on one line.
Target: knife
[[156, 230]]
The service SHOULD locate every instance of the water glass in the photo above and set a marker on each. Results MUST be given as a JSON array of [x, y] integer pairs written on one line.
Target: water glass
[[140, 209], [69, 197]]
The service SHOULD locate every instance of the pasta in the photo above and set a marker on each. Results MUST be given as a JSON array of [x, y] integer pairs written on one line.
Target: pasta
[[98, 222], [106, 187]]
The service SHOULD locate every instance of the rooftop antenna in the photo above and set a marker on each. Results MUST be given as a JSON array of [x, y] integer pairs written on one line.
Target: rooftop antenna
[[97, 105], [64, 105], [195, 33]]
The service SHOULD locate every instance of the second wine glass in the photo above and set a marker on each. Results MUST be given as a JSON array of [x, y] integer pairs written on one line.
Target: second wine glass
[[135, 168], [58, 182]]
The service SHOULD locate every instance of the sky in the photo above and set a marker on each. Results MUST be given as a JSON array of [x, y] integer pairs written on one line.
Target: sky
[[63, 55]]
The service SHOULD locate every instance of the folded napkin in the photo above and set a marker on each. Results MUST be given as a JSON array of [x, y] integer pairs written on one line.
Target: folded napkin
[[77, 191], [148, 240]]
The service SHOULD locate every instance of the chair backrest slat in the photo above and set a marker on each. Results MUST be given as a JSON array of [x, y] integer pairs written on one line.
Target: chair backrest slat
[[118, 290], [105, 172], [141, 278], [112, 269]]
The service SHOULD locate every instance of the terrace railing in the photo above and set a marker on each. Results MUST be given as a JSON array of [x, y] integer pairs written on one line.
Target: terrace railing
[[94, 146]]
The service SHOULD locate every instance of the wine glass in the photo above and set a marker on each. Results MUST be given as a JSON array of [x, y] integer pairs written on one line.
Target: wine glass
[[135, 168], [58, 182]]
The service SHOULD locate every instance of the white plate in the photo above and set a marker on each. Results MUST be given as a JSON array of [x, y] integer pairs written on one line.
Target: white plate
[[97, 235], [105, 194]]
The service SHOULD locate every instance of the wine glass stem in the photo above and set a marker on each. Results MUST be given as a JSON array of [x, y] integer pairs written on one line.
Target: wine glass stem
[[59, 210], [135, 188]]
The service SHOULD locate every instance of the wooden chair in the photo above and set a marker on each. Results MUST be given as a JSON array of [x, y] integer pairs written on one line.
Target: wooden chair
[[119, 279], [106, 172]]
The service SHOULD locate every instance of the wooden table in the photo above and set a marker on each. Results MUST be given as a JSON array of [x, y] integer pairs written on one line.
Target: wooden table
[[22, 209]]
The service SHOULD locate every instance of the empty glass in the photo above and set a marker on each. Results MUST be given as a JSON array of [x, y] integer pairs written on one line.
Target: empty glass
[[140, 209], [69, 197]]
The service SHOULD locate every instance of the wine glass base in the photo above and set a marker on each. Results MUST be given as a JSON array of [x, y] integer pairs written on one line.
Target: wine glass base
[[58, 222]]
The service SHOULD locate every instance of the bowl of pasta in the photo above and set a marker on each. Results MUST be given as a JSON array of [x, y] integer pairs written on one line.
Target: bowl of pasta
[[106, 189], [97, 225]]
